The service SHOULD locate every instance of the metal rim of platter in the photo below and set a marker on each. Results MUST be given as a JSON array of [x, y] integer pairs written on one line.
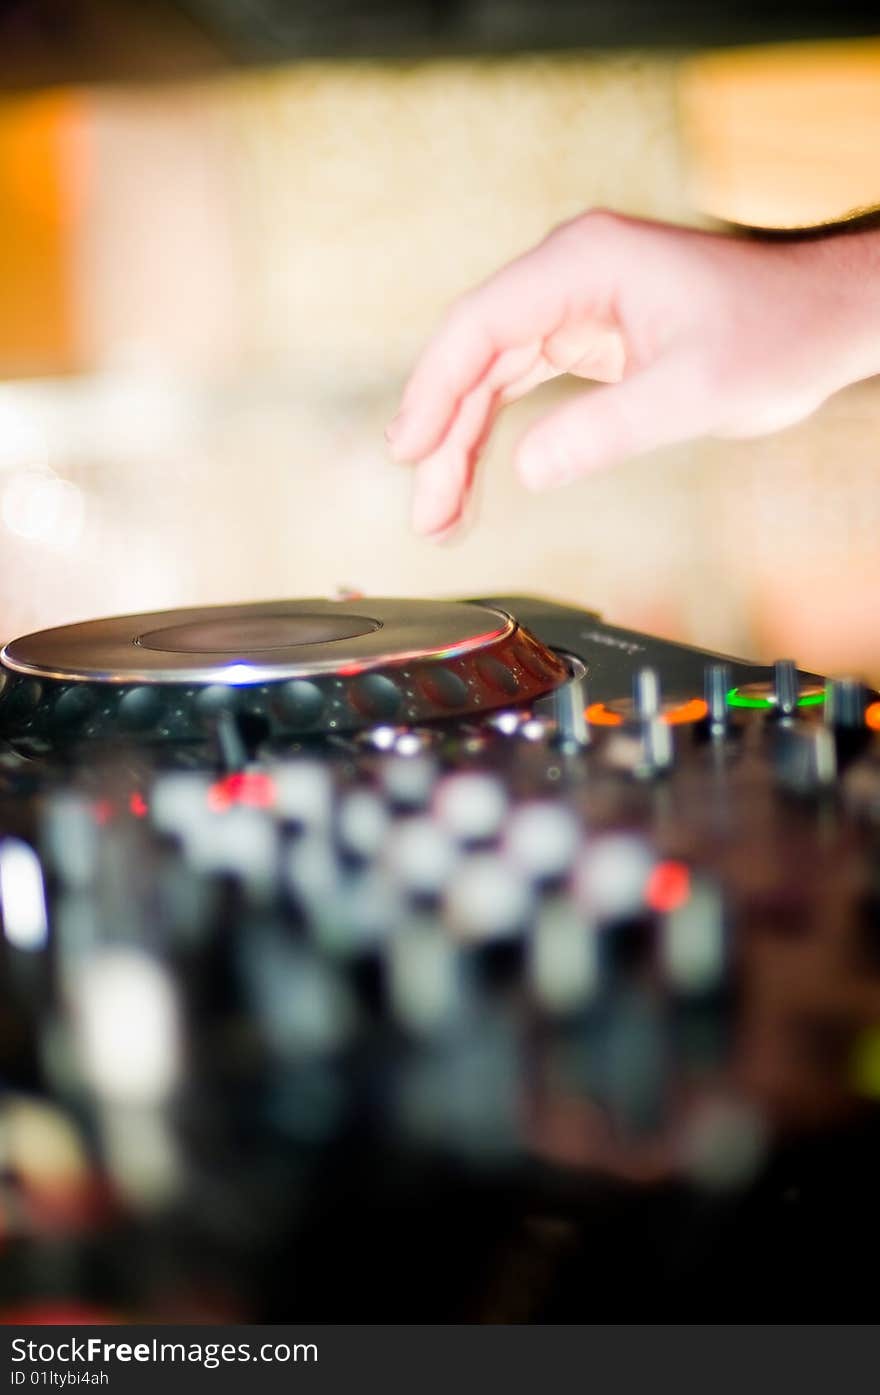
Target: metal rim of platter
[[256, 642]]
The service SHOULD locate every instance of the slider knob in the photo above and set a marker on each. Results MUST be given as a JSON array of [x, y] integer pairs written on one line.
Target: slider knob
[[716, 687], [646, 694], [565, 706], [657, 747], [786, 687]]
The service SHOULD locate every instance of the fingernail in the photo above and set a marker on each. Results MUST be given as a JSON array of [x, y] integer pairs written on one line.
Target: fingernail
[[392, 430]]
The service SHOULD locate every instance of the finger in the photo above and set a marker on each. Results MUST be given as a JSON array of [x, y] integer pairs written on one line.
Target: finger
[[541, 372], [442, 480], [656, 407], [522, 303], [588, 350], [444, 477]]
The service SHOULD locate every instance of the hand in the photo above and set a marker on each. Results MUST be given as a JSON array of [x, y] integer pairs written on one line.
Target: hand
[[695, 333]]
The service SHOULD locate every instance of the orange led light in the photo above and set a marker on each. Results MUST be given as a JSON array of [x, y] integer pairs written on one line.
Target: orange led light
[[598, 715], [872, 716], [669, 886], [693, 711]]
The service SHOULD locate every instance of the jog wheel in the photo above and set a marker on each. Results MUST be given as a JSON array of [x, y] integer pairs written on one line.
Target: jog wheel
[[312, 667]]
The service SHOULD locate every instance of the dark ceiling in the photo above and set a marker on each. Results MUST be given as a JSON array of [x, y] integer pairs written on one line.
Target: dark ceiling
[[48, 41]]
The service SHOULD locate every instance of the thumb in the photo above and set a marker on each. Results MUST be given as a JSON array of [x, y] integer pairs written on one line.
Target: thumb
[[663, 403]]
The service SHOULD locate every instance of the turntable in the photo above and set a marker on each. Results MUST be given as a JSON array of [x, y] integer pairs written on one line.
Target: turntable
[[363, 953], [318, 667], [300, 667]]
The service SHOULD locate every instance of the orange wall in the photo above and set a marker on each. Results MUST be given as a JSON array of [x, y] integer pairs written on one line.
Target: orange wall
[[43, 174]]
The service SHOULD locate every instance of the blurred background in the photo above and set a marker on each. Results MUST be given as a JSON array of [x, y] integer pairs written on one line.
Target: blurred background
[[226, 227]]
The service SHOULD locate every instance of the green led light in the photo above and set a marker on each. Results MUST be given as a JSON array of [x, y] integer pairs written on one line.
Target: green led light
[[737, 699]]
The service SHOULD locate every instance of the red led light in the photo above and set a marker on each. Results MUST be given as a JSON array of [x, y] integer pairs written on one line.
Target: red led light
[[138, 805], [249, 787], [598, 715], [669, 886]]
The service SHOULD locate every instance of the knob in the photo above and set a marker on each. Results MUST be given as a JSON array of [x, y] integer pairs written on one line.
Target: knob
[[471, 806], [657, 747], [845, 701], [786, 688], [806, 758], [542, 839], [565, 707], [716, 688], [646, 693]]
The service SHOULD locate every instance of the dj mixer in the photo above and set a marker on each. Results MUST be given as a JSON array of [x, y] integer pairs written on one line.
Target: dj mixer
[[433, 961]]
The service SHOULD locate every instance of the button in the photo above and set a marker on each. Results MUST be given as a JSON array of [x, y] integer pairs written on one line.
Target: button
[[472, 806], [408, 781], [420, 857], [376, 697], [445, 688], [692, 940], [563, 962], [23, 697], [312, 873], [140, 708], [540, 663], [73, 707], [542, 838], [216, 698], [498, 676], [304, 793], [297, 702], [362, 822], [70, 837], [612, 876], [178, 802], [424, 976], [487, 899], [240, 842]]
